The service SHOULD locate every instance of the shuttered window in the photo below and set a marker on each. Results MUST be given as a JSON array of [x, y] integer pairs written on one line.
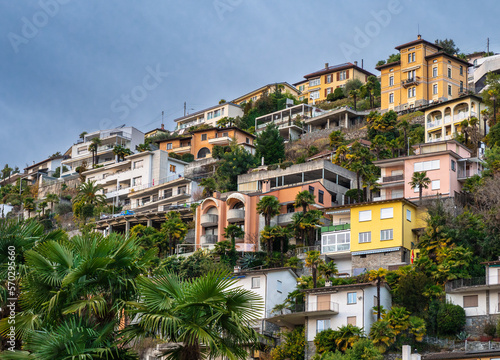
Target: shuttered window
[[351, 320], [470, 301]]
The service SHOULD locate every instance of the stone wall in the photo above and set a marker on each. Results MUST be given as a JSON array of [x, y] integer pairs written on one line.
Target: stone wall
[[200, 169], [353, 133], [474, 325], [55, 187], [376, 261]]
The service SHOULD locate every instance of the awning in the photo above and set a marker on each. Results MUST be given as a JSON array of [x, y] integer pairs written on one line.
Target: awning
[[377, 251]]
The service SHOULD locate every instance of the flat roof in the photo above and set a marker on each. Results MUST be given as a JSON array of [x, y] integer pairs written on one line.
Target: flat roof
[[326, 289], [210, 108], [433, 105], [44, 161]]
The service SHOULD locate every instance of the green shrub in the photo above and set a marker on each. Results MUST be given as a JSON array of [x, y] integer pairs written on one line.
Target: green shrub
[[187, 157], [490, 329], [451, 319], [285, 164], [63, 208]]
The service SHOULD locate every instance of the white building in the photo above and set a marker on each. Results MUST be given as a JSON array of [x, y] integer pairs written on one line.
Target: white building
[[79, 153], [477, 73], [208, 116], [35, 173]]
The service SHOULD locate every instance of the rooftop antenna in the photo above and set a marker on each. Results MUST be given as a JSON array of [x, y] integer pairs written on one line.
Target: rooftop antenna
[[162, 113], [418, 29]]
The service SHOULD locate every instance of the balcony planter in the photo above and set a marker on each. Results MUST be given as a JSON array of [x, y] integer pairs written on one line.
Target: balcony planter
[[485, 338]]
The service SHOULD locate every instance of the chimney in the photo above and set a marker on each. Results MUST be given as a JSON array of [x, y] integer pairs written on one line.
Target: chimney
[[162, 126], [419, 37], [262, 161], [33, 162], [355, 63], [362, 64], [326, 65], [266, 186]]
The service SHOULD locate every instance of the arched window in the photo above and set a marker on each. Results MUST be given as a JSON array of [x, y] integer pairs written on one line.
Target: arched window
[[203, 153]]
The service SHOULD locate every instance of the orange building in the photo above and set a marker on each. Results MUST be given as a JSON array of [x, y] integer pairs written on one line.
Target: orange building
[[424, 74], [201, 142], [217, 212]]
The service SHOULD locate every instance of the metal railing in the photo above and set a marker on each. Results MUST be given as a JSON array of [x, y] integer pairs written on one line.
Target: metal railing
[[305, 249], [461, 283], [410, 81], [339, 227], [209, 239], [393, 178]]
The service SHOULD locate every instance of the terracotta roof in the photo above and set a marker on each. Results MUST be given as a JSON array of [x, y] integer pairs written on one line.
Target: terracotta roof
[[394, 63], [337, 68], [418, 41], [442, 53]]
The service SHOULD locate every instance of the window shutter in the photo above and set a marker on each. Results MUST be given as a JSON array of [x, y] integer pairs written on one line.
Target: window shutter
[[326, 92], [326, 79], [338, 76], [347, 74], [366, 78]]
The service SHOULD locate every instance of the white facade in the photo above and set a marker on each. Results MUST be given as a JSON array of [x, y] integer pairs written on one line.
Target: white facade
[[5, 209], [128, 137], [209, 116]]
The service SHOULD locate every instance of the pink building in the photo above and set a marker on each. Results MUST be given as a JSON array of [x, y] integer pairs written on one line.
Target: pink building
[[447, 163]]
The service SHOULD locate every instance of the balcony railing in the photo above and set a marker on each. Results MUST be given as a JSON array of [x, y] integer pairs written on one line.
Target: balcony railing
[[386, 179], [411, 81], [235, 215], [462, 283], [432, 124], [209, 239], [209, 220], [321, 306], [339, 227]]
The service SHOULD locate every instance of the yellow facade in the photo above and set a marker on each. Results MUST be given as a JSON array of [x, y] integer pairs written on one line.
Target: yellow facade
[[424, 75], [265, 90], [319, 84]]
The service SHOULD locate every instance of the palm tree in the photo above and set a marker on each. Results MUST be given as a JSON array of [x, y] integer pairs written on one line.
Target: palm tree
[[52, 199], [313, 260], [29, 204], [82, 135], [207, 317], [269, 207], [304, 199], [174, 229], [354, 94], [382, 335], [121, 152], [143, 147], [93, 147], [209, 186], [377, 275], [233, 232], [421, 181], [328, 269], [88, 192], [42, 205]]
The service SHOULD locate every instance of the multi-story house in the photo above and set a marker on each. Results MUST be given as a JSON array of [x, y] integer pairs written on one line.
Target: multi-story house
[[79, 153], [447, 163], [256, 94], [331, 307], [335, 179], [217, 212], [371, 235], [425, 74], [208, 116], [480, 297], [320, 83], [157, 131], [46, 168], [200, 143], [480, 69]]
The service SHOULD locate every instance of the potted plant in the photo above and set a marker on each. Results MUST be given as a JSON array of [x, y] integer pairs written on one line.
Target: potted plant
[[489, 330]]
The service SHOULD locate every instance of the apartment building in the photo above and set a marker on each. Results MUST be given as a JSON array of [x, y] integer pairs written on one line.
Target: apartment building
[[137, 172], [480, 297], [35, 173], [319, 84], [79, 153], [480, 69], [371, 235], [331, 307], [447, 163], [208, 116], [200, 143], [443, 120], [256, 94], [425, 74]]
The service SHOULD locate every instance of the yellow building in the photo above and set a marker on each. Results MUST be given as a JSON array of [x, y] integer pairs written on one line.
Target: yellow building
[[319, 84], [156, 131], [443, 119], [367, 236], [424, 74], [265, 90]]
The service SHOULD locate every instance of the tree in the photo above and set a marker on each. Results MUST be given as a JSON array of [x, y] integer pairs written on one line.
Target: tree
[[87, 199], [420, 180], [305, 225], [268, 207], [233, 232], [6, 171], [336, 139], [378, 276], [209, 186], [328, 269], [354, 95], [293, 346], [304, 199], [52, 199], [313, 260], [393, 58], [41, 206], [121, 152], [93, 147], [82, 135], [29, 204], [353, 84], [174, 230], [209, 310], [270, 145], [232, 164], [448, 46], [143, 147]]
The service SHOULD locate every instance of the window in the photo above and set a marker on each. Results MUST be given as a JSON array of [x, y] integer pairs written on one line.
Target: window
[[426, 165], [311, 190], [203, 137], [167, 193], [461, 86], [320, 196], [408, 215], [351, 298], [328, 91], [169, 146], [391, 81], [342, 75], [375, 301], [449, 72], [434, 71], [365, 237], [411, 75], [216, 113], [138, 164], [351, 320], [413, 91], [137, 181], [255, 282], [386, 234], [387, 213], [247, 140], [434, 89], [182, 190], [279, 286], [290, 208], [410, 92], [81, 150], [436, 184], [210, 115], [314, 95], [301, 87], [329, 78], [322, 325], [365, 215], [449, 90], [470, 301], [315, 82], [391, 98], [336, 241], [461, 70], [172, 168], [222, 112], [453, 165]]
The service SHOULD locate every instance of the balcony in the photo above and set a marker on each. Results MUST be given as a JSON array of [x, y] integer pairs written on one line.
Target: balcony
[[221, 140], [393, 178], [432, 124], [235, 215], [295, 315], [209, 220], [461, 284], [410, 82], [285, 219], [340, 227], [209, 239], [182, 149]]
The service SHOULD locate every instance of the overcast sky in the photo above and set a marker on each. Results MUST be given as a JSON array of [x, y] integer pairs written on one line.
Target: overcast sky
[[70, 66]]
